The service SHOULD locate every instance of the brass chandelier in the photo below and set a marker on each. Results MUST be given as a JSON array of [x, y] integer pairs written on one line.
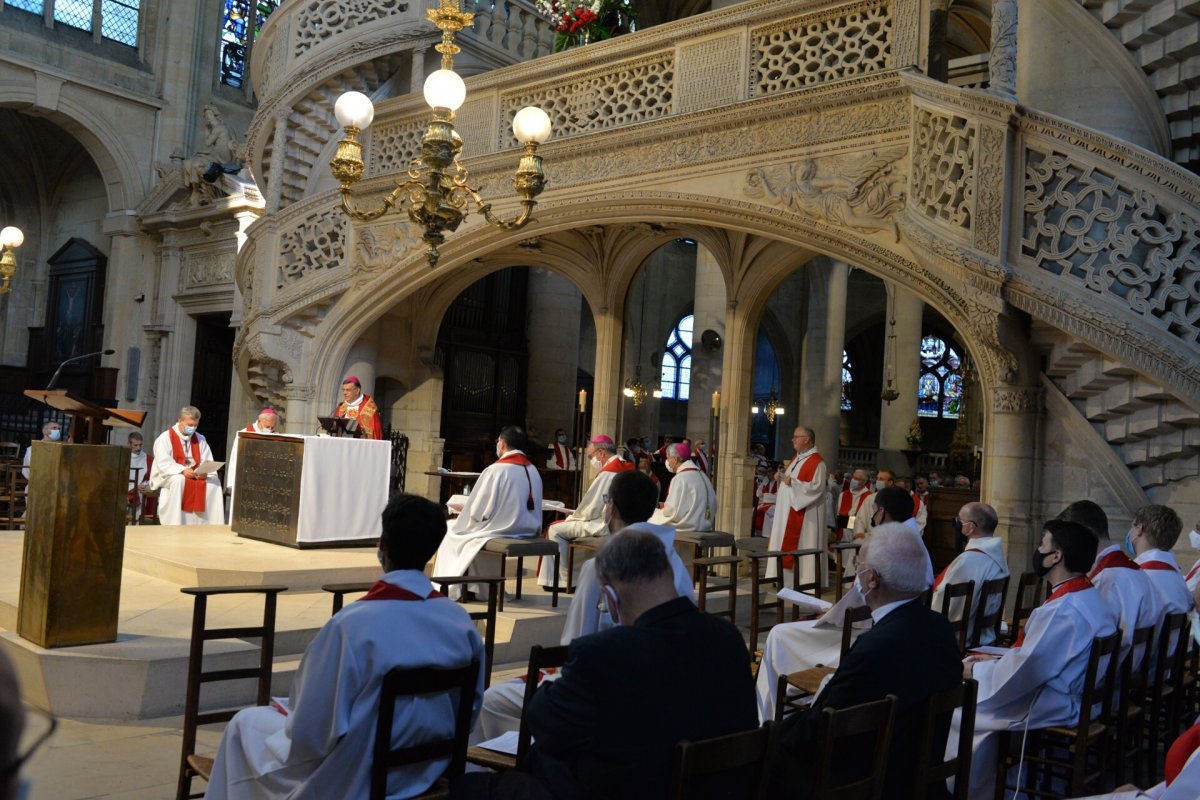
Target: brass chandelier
[[437, 193]]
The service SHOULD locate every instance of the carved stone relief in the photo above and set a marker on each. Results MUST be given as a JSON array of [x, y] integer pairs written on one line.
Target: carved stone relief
[[207, 269], [377, 247], [318, 20], [1018, 400], [312, 246], [943, 170], [394, 145], [989, 204]]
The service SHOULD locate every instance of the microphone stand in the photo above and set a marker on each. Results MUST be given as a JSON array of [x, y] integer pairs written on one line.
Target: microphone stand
[[58, 372]]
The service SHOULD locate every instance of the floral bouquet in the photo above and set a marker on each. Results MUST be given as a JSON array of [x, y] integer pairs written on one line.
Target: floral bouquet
[[914, 435], [577, 22]]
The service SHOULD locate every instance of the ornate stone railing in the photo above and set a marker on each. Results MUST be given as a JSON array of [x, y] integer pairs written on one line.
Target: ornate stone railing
[[301, 33]]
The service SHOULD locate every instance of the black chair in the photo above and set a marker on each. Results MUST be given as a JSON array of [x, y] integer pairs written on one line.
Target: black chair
[[838, 726], [401, 682], [192, 765], [1164, 695], [931, 771], [964, 591], [1129, 743], [747, 751], [1029, 597], [985, 619]]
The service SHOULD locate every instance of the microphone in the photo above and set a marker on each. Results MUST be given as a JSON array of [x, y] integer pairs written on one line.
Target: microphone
[[58, 372]]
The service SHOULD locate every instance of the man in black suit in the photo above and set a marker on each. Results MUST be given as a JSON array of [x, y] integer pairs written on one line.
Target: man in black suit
[[910, 652], [667, 672]]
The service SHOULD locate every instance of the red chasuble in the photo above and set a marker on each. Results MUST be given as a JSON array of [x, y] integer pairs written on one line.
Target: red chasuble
[[795, 521], [193, 488], [382, 590], [1076, 584], [370, 426]]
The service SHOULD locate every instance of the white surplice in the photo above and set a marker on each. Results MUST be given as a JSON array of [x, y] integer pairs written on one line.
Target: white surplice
[[808, 496], [1130, 594], [795, 646], [167, 475], [1039, 683], [691, 501], [561, 457], [502, 701], [506, 502], [982, 560], [1168, 583], [587, 520], [322, 749]]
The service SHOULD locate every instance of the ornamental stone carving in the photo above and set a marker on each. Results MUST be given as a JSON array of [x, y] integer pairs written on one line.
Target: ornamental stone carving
[[943, 170], [989, 203], [318, 20], [207, 269], [1092, 229], [394, 145], [312, 246], [844, 42], [378, 247], [1018, 400], [863, 192]]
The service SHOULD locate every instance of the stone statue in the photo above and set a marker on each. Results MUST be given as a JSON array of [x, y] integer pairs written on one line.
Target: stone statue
[[856, 192], [204, 173]]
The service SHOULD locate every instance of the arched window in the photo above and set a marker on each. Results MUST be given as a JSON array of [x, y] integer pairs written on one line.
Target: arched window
[[677, 361], [847, 380], [939, 388], [118, 18], [240, 26]]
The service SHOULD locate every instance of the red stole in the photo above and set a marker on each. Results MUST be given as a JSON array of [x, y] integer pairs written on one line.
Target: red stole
[[382, 590], [193, 489], [617, 464], [1076, 584], [795, 520], [916, 505], [250, 428], [520, 460], [1191, 572], [1115, 559], [1157, 565], [942, 575], [561, 456]]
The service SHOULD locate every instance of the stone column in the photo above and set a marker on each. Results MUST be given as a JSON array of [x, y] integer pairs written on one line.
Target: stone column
[[821, 356], [606, 398], [895, 418], [1009, 455], [552, 330], [1002, 63], [735, 497], [706, 364], [129, 250]]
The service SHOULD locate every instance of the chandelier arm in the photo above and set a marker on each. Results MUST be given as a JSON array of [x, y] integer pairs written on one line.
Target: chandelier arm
[[389, 202], [521, 221]]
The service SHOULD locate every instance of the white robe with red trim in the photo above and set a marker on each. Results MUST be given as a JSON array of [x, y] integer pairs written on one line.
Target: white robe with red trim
[[1130, 595], [231, 466], [499, 505], [809, 497], [1040, 682], [167, 475], [322, 749], [561, 457], [587, 520], [691, 501], [1168, 583], [982, 560]]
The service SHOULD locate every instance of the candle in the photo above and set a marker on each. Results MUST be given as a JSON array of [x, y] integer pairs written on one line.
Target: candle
[[716, 402], [582, 400]]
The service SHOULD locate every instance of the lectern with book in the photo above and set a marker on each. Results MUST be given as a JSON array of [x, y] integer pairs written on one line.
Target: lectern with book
[[75, 528]]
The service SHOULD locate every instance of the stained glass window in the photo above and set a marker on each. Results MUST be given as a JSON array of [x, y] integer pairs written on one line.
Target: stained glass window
[[847, 380], [118, 18], [939, 387], [676, 377], [240, 26]]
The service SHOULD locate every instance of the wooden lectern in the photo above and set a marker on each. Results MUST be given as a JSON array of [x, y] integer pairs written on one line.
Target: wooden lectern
[[75, 528]]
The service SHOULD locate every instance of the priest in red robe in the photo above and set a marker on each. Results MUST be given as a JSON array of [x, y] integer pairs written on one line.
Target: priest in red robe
[[186, 496], [800, 504], [358, 406]]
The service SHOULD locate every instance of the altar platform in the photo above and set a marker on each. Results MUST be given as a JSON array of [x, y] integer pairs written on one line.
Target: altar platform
[[143, 674]]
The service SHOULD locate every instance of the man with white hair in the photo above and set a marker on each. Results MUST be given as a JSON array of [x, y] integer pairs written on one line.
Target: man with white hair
[[910, 652], [691, 501], [186, 497], [588, 519], [799, 522], [267, 422], [853, 502]]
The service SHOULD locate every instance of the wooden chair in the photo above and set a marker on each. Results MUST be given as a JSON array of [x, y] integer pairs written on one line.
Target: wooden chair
[[10, 451], [758, 582], [748, 751], [506, 547], [1129, 743], [730, 586], [1082, 744], [191, 765], [487, 616], [837, 726], [840, 578], [808, 682], [704, 543], [540, 658], [931, 770], [1165, 690], [964, 591], [401, 682], [984, 619], [586, 544], [1029, 597]]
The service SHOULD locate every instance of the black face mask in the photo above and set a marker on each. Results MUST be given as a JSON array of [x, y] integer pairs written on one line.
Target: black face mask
[[1039, 563], [958, 534]]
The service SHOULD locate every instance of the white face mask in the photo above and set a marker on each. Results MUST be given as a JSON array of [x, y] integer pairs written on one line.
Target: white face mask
[[1194, 538], [864, 591], [55, 434], [499, 452], [595, 462], [855, 484], [612, 602], [562, 439], [880, 486]]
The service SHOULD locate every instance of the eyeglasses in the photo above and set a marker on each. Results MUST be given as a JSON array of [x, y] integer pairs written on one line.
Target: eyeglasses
[[12, 768]]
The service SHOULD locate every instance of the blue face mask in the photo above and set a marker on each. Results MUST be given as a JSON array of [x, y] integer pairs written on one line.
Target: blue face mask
[[55, 435], [1129, 543], [188, 430]]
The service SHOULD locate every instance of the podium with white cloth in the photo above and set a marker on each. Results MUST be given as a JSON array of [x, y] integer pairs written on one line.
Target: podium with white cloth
[[308, 491]]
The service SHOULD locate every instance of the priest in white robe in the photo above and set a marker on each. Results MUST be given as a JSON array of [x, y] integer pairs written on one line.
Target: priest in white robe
[[267, 422], [691, 503], [322, 747], [186, 497], [981, 560], [1039, 681], [632, 497], [506, 501], [855, 501], [799, 522], [587, 520], [561, 456]]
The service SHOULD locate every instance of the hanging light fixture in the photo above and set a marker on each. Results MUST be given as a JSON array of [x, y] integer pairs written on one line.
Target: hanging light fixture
[[10, 239], [636, 390], [890, 392], [437, 194], [771, 408]]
